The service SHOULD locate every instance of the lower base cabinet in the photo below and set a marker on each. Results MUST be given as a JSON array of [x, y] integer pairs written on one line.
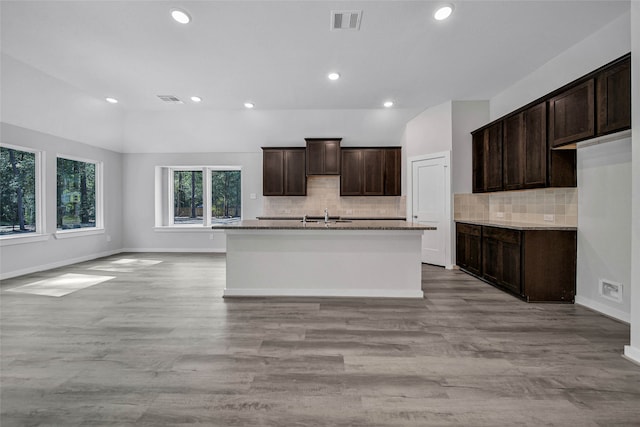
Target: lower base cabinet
[[535, 265]]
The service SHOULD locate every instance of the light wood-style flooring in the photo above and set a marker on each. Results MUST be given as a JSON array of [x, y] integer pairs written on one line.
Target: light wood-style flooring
[[158, 346]]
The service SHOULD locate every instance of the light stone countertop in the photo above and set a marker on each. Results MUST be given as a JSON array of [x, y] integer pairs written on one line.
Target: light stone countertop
[[319, 225], [515, 225]]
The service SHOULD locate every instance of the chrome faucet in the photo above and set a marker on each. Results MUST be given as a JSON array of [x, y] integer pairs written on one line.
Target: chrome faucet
[[326, 215], [304, 219]]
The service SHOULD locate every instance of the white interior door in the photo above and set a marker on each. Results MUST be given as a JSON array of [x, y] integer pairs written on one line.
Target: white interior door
[[430, 205]]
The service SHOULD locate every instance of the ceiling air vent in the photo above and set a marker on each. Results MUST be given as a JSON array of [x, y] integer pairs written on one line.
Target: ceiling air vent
[[345, 19], [170, 99]]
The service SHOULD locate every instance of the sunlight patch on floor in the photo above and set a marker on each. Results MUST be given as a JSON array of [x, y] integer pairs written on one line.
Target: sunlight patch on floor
[[61, 285], [125, 265]]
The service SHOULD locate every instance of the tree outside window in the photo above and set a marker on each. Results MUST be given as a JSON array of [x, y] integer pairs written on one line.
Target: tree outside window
[[17, 191], [187, 201], [226, 197], [76, 195]]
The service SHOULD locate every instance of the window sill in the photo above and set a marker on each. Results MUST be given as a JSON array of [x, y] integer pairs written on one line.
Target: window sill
[[67, 234], [185, 229], [19, 240]]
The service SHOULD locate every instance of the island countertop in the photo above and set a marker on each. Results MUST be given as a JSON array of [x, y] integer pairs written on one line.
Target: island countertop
[[321, 225]]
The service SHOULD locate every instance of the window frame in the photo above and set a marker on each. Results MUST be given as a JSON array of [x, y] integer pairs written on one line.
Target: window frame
[[168, 189], [99, 228], [40, 234]]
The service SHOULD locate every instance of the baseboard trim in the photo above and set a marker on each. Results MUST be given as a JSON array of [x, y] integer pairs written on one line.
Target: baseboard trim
[[212, 250], [603, 309], [43, 267], [343, 293], [632, 353]]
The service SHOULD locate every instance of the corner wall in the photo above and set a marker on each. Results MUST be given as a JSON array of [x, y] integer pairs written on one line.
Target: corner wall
[[18, 259], [632, 351]]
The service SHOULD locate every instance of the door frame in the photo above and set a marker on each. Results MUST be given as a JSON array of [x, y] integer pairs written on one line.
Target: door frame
[[446, 155]]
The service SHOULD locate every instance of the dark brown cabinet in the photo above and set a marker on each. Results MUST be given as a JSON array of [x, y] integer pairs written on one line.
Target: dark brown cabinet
[[613, 98], [323, 156], [571, 115], [283, 172], [370, 172], [525, 149], [469, 247], [487, 159], [501, 257], [536, 265]]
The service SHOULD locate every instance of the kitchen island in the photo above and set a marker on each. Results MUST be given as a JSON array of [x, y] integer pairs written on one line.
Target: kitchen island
[[334, 259]]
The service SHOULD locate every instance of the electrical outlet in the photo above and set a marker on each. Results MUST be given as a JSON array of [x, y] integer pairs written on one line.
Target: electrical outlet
[[108, 237], [499, 214], [349, 211], [549, 217], [610, 290], [252, 196], [211, 236]]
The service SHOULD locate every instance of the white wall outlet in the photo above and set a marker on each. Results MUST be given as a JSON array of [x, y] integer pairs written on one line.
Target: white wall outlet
[[108, 237], [287, 211], [499, 214], [252, 196], [211, 236], [610, 290], [349, 211], [549, 217]]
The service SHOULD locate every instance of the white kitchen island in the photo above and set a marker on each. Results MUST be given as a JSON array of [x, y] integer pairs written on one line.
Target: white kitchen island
[[340, 259]]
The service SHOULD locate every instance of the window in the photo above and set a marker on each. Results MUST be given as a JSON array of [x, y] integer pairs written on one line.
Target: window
[[19, 187], [78, 194], [187, 200], [200, 195], [226, 196]]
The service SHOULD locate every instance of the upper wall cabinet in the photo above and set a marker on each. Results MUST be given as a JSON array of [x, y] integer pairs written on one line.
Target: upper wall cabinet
[[571, 115], [525, 149], [283, 172], [613, 98], [370, 172], [487, 159], [323, 156]]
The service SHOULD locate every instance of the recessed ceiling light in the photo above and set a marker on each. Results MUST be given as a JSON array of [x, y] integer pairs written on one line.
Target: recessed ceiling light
[[249, 105], [180, 16], [111, 100], [333, 76], [388, 104], [443, 12], [196, 99]]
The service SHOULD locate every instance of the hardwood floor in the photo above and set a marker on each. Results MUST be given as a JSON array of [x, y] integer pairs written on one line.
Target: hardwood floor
[[157, 345]]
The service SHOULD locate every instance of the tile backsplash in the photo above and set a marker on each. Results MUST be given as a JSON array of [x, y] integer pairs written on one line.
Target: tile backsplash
[[324, 192], [557, 205]]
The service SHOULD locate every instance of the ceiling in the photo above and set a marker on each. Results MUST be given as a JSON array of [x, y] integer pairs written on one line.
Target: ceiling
[[277, 53]]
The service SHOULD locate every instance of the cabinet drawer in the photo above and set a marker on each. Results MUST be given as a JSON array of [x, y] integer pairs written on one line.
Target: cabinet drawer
[[473, 230], [502, 234]]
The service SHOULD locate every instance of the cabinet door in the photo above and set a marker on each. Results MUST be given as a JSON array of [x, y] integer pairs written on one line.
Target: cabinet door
[[272, 172], [351, 176], [493, 158], [295, 178], [478, 162], [474, 253], [323, 156], [535, 146], [461, 247], [613, 96], [392, 172], [332, 157], [571, 115], [491, 259], [513, 147], [510, 262], [373, 172]]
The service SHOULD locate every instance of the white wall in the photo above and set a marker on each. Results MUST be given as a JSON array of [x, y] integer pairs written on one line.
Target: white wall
[[248, 130], [609, 43], [633, 351], [38, 101], [467, 116], [603, 46], [35, 256], [430, 131], [604, 221], [138, 200]]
